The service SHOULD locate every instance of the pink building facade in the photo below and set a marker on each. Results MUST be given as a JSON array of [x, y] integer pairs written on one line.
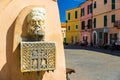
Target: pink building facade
[[86, 21]]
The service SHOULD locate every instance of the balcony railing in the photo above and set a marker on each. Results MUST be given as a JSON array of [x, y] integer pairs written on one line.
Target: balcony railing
[[117, 24], [86, 27]]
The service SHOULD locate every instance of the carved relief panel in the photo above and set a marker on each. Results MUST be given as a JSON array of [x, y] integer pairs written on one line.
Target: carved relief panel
[[37, 56]]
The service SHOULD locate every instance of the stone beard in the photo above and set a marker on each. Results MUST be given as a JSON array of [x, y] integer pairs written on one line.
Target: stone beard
[[36, 24]]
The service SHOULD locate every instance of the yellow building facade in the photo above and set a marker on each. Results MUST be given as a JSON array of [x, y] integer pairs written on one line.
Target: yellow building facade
[[73, 25]]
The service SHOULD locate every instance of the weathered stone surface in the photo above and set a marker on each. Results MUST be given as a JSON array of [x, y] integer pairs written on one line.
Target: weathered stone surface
[[38, 56]]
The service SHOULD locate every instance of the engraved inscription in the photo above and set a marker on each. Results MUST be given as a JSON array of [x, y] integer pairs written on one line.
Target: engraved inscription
[[37, 56]]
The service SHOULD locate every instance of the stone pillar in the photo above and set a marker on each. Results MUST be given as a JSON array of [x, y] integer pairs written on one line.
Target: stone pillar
[[13, 29]]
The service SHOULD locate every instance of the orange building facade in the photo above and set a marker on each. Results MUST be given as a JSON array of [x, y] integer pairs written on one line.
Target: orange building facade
[[63, 30], [106, 22]]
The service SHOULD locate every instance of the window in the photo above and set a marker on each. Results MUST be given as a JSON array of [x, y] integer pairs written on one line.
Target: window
[[105, 20], [100, 35], [76, 26], [89, 23], [95, 4], [113, 37], [68, 27], [68, 16], [105, 1], [113, 18], [94, 22], [76, 14], [83, 25], [76, 38], [82, 12], [89, 9], [113, 4]]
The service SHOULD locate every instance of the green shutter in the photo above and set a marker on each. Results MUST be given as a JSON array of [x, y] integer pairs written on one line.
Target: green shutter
[[65, 40], [113, 18], [100, 35], [113, 4], [105, 20], [94, 22]]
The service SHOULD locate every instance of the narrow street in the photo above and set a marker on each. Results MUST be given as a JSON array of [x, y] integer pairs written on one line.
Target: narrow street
[[92, 65]]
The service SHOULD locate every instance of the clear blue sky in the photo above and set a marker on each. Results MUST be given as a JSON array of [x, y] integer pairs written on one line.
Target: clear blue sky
[[66, 5]]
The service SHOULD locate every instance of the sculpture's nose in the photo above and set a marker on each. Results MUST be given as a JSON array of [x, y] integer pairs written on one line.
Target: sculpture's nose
[[37, 27], [36, 23]]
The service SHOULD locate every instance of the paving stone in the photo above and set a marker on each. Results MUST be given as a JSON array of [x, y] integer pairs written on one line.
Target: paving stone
[[92, 65]]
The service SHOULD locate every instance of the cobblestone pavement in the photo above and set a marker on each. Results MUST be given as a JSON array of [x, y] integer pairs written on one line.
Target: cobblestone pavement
[[92, 65]]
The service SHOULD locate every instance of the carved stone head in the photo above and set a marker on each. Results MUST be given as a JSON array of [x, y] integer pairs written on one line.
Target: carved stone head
[[36, 23]]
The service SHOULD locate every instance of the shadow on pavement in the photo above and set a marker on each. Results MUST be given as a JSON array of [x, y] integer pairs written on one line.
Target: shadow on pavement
[[105, 51]]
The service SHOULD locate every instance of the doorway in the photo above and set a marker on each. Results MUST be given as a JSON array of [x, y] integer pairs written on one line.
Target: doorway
[[105, 38]]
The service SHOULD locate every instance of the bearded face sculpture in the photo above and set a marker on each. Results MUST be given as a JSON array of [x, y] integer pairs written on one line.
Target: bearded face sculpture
[[36, 24]]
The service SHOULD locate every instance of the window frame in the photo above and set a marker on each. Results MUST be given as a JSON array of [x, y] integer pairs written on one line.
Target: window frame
[[68, 15], [82, 12], [83, 25], [105, 1], [113, 4], [95, 5], [95, 22], [105, 21], [89, 23], [68, 28], [76, 14], [76, 27], [113, 18], [100, 35]]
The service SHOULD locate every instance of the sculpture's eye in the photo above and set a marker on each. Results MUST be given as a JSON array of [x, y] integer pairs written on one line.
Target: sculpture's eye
[[39, 22], [33, 22]]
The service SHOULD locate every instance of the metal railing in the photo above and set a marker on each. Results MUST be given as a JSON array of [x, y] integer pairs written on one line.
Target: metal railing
[[117, 24]]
